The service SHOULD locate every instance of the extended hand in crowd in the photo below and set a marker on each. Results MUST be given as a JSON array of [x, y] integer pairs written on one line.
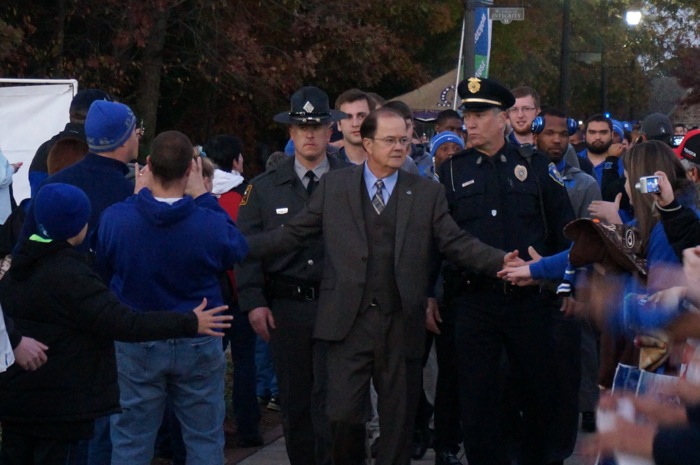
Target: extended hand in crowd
[[517, 271], [261, 320], [30, 354], [606, 211], [209, 321], [618, 433], [668, 298]]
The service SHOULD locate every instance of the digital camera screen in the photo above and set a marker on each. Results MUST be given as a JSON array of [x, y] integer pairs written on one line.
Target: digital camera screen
[[652, 184]]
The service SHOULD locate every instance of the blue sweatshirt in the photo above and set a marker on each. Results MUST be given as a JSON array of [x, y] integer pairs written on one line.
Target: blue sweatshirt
[[163, 256]]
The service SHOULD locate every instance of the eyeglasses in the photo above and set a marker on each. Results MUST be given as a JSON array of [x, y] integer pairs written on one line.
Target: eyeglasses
[[391, 141], [521, 109]]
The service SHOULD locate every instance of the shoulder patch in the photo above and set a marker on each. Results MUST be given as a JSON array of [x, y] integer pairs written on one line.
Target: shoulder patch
[[246, 195], [555, 174]]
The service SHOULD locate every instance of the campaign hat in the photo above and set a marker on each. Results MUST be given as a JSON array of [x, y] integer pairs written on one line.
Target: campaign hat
[[309, 106]]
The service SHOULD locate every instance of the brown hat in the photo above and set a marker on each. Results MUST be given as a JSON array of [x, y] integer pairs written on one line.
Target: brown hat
[[615, 246]]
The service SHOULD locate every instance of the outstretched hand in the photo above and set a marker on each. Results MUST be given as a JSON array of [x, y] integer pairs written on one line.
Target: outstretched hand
[[517, 271], [606, 211], [211, 320]]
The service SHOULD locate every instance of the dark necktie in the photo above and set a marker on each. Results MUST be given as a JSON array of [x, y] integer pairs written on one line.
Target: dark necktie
[[378, 199], [312, 182]]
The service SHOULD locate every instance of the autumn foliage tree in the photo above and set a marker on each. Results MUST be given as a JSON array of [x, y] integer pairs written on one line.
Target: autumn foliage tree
[[688, 73], [210, 66], [213, 66]]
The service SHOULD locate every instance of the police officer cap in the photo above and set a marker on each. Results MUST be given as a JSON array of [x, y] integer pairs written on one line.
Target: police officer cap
[[309, 107], [481, 94]]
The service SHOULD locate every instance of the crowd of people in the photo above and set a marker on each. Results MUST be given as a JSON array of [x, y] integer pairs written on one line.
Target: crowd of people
[[535, 254]]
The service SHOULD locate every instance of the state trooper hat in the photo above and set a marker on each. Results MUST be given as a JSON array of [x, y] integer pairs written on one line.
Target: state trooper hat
[[309, 106], [481, 94]]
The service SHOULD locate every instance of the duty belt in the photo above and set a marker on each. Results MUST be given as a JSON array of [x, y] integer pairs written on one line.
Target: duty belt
[[479, 283], [282, 288]]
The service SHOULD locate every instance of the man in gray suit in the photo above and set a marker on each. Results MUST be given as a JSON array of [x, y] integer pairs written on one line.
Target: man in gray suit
[[382, 230]]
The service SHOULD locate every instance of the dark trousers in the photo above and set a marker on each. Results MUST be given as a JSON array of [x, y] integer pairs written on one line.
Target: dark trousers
[[373, 350], [448, 426], [246, 410], [566, 381], [22, 449], [300, 361], [487, 324], [425, 410]]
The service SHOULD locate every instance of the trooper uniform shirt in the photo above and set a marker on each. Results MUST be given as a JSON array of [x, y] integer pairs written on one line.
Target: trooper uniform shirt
[[507, 201], [272, 199]]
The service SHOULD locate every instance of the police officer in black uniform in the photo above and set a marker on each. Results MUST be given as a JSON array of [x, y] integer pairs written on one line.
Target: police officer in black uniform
[[510, 198], [280, 293]]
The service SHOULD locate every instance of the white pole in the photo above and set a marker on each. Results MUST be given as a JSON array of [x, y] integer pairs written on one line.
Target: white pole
[[459, 62]]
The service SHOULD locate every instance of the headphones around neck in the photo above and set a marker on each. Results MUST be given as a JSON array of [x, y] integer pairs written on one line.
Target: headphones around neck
[[538, 125]]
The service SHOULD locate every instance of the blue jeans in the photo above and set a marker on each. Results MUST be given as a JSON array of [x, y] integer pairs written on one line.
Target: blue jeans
[[191, 371], [266, 378]]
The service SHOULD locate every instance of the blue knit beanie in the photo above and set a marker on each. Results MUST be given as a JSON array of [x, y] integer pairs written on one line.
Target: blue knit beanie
[[443, 137], [618, 128], [61, 211], [108, 125]]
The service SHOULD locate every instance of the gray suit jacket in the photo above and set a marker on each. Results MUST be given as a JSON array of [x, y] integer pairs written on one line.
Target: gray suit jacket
[[423, 227]]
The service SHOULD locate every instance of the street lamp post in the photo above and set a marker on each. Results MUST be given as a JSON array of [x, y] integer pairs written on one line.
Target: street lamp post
[[564, 78], [632, 18]]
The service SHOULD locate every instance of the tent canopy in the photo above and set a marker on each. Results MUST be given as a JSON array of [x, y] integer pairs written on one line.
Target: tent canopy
[[432, 98]]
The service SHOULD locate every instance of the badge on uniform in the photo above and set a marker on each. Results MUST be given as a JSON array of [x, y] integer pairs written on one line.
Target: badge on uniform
[[520, 173], [246, 195], [282, 211], [474, 85], [555, 174]]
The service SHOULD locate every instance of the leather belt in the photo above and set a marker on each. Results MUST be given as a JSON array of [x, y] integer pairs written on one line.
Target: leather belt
[[281, 288]]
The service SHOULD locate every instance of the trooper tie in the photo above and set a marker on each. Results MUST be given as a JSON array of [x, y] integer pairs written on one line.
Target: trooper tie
[[378, 198], [312, 182]]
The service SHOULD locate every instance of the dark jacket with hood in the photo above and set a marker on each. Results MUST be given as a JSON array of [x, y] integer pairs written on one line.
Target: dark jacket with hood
[[54, 297]]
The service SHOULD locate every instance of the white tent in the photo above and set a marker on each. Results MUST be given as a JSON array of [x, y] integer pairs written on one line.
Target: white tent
[[31, 112]]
